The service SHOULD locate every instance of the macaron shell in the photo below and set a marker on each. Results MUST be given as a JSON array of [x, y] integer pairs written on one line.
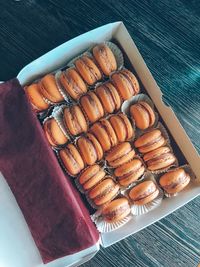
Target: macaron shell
[[53, 133], [140, 116], [110, 131], [49, 89], [115, 96], [88, 70], [97, 146], [179, 187], [132, 177], [92, 107], [94, 180], [147, 199], [87, 150], [119, 127], [128, 167], [147, 137], [155, 153], [88, 173], [105, 58], [144, 188], [107, 197], [162, 162], [128, 126], [100, 133], [156, 145], [75, 120], [133, 80], [150, 111], [71, 159], [33, 93], [101, 187], [73, 83]]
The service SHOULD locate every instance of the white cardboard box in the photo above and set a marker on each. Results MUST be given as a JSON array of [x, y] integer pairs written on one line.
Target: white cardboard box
[[17, 247]]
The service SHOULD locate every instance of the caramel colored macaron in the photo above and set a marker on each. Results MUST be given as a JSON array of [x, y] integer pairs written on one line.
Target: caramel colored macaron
[[74, 120], [109, 97], [174, 181], [49, 89], [54, 134], [92, 106], [105, 58], [126, 83], [104, 192], [129, 172], [143, 115], [91, 176], [73, 83], [71, 159], [159, 158], [87, 150], [116, 210], [34, 95], [122, 127], [150, 141], [88, 69], [120, 154], [104, 133], [143, 193], [96, 144]]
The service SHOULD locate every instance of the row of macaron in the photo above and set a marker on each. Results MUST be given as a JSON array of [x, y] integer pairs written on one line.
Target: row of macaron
[[106, 196], [71, 122], [74, 81]]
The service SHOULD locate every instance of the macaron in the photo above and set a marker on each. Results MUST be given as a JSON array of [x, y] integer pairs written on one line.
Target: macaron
[[88, 70], [49, 88], [116, 210], [150, 141], [53, 133], [73, 83], [74, 120], [159, 158], [126, 83], [34, 95], [71, 159], [90, 149], [143, 193], [109, 97], [143, 115], [129, 172], [105, 58], [120, 154], [92, 106], [122, 127], [174, 181], [104, 192], [91, 176], [104, 133]]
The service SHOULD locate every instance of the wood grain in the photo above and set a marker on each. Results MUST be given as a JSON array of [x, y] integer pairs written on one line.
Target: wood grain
[[167, 34]]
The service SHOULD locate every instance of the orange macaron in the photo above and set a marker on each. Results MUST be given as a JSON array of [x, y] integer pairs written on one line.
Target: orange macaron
[[73, 83], [150, 141], [120, 154], [88, 149], [71, 159], [174, 181], [92, 106], [97, 145], [91, 176], [129, 172], [105, 58], [159, 158], [109, 97], [88, 70], [116, 210], [74, 120], [126, 83], [143, 115], [143, 193], [34, 95], [104, 192], [54, 134], [49, 89], [104, 133], [122, 127]]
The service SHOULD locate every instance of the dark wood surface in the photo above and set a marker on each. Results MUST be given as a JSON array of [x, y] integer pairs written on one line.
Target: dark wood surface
[[167, 34]]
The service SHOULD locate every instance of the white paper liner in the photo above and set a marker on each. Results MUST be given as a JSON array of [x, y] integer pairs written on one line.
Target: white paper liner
[[125, 108], [62, 91], [188, 170], [106, 227]]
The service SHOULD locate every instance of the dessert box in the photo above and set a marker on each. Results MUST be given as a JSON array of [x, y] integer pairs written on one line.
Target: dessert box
[[21, 241]]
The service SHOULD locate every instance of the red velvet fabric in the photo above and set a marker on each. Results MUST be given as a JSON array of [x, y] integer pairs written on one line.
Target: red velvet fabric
[[57, 218]]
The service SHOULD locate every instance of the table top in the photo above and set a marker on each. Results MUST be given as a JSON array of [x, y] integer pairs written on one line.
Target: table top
[[167, 35]]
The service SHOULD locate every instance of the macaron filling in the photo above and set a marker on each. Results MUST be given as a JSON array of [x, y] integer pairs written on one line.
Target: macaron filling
[[159, 138], [163, 157], [133, 172], [104, 192], [150, 191], [92, 73], [72, 83], [118, 211]]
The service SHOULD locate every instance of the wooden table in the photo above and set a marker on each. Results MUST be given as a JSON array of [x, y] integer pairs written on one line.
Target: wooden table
[[167, 34]]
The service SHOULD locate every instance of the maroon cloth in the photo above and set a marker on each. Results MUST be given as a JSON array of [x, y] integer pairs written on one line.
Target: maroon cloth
[[57, 218]]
